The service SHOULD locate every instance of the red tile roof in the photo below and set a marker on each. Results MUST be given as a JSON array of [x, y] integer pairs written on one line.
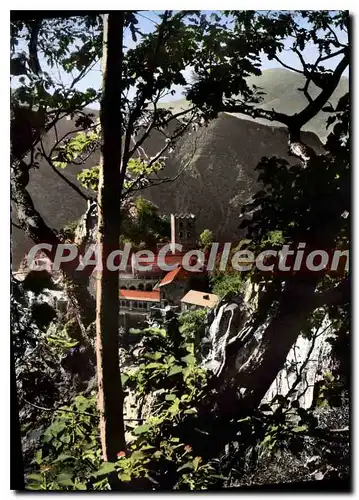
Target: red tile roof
[[169, 259], [171, 276], [153, 296]]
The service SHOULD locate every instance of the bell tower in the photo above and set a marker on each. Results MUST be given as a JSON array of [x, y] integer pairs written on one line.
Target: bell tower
[[183, 231]]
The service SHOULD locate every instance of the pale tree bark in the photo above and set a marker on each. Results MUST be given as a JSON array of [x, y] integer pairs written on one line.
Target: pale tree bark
[[110, 393]]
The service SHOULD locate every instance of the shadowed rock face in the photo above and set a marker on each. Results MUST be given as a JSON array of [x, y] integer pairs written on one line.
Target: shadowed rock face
[[221, 175], [218, 180]]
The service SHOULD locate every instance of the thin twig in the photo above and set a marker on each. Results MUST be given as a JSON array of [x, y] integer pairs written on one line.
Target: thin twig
[[62, 176], [76, 412]]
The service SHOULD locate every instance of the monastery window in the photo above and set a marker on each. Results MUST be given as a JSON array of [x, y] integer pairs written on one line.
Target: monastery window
[[127, 303], [135, 305], [132, 287], [180, 234], [140, 286], [148, 287], [181, 225], [189, 234]]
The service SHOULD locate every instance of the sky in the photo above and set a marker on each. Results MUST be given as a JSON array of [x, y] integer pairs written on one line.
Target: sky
[[148, 21]]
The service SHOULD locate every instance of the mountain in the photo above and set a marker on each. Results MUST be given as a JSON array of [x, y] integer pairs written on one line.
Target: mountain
[[220, 174], [281, 93]]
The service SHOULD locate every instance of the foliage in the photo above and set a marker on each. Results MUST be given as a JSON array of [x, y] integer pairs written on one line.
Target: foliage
[[68, 232], [156, 457], [224, 283], [192, 326], [206, 238], [165, 359], [234, 41], [142, 225], [71, 450]]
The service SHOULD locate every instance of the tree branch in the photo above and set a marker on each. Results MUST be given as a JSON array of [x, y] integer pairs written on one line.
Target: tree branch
[[37, 230], [33, 59], [256, 112], [288, 67], [336, 295], [62, 176], [141, 99], [300, 119]]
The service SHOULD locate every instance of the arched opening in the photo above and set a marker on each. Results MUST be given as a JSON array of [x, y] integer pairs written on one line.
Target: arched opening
[[149, 287], [122, 287], [140, 286], [132, 288]]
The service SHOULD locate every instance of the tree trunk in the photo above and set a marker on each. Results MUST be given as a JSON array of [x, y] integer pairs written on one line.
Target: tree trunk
[[75, 282], [110, 394]]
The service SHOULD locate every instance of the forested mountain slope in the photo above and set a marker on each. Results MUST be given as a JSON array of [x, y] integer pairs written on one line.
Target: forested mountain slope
[[220, 160]]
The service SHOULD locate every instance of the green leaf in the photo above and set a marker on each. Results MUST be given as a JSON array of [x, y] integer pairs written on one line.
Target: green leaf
[[62, 457], [147, 447], [266, 439], [138, 455], [301, 428], [170, 397], [35, 477], [65, 438], [105, 468], [135, 331], [65, 479], [154, 365], [124, 477], [155, 355], [141, 429], [196, 461], [190, 411], [35, 487], [188, 465], [175, 369], [38, 457], [189, 359], [80, 486]]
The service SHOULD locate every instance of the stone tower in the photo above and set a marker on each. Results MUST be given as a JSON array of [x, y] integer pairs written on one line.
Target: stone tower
[[183, 231]]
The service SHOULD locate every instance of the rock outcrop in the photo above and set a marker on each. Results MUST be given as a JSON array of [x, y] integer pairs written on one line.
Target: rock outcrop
[[231, 339]]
